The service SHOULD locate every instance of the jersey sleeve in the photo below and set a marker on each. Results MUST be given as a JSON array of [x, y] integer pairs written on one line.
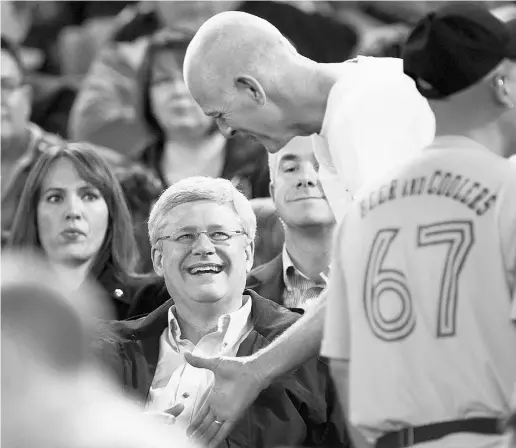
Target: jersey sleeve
[[336, 335]]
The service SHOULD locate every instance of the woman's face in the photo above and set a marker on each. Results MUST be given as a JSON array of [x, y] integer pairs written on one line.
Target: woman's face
[[170, 101], [72, 216]]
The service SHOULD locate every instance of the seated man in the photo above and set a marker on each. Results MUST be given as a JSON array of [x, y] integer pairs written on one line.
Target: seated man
[[297, 276], [202, 235]]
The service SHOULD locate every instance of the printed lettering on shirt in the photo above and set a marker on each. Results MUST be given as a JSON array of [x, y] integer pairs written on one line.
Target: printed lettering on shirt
[[457, 187]]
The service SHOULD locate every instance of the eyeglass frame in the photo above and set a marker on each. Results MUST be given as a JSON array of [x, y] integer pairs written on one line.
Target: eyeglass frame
[[231, 234]]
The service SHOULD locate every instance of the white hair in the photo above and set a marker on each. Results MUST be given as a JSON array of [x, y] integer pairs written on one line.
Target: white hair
[[199, 188]]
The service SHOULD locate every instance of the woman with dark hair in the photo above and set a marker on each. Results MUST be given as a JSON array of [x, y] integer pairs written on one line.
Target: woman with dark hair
[[187, 142], [73, 210]]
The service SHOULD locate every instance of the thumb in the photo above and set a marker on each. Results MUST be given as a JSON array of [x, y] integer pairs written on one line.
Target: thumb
[[201, 362], [175, 410]]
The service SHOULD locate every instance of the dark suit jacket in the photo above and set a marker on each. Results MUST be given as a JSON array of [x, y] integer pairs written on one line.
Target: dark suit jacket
[[267, 280], [300, 409]]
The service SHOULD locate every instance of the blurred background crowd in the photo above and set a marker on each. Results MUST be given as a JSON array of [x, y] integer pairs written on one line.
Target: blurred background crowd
[[100, 72]]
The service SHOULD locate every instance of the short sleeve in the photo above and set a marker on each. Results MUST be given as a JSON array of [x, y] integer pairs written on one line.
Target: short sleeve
[[336, 335], [378, 125]]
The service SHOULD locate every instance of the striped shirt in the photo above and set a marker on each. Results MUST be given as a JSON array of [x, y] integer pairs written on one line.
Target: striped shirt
[[300, 291]]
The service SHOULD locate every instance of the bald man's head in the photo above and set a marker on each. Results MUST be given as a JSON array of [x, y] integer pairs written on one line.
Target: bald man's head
[[243, 72], [231, 43]]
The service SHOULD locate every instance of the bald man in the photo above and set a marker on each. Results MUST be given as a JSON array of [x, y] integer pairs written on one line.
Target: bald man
[[237, 383], [365, 114]]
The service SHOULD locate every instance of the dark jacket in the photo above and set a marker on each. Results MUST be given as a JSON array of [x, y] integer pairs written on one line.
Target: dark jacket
[[301, 409], [148, 298], [121, 294], [267, 280]]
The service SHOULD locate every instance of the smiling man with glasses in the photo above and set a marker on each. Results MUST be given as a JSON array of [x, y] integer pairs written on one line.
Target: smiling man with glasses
[[202, 234]]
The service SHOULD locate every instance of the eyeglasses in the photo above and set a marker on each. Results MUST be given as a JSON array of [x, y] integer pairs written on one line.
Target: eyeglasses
[[215, 236]]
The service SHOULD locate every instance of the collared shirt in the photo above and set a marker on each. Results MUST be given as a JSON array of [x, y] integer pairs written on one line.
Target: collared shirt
[[176, 381], [300, 291]]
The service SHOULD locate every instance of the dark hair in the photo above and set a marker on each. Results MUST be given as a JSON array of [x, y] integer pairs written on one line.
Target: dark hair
[[119, 247], [161, 41], [14, 52]]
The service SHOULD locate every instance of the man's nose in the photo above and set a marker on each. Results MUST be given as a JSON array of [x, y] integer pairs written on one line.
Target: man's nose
[[226, 131], [308, 178], [203, 245]]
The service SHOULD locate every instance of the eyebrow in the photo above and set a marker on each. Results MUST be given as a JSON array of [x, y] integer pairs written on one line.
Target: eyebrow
[[86, 186], [194, 228], [289, 158]]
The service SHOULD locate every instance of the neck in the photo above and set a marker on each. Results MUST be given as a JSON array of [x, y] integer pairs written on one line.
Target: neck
[[488, 134], [310, 250], [196, 320], [13, 148], [460, 115], [309, 95], [72, 276]]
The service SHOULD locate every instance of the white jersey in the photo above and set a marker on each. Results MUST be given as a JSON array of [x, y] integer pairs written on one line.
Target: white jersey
[[422, 291]]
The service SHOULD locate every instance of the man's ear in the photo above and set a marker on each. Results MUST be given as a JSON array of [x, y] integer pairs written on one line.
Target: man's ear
[[157, 261], [502, 92], [252, 87], [249, 256], [271, 192]]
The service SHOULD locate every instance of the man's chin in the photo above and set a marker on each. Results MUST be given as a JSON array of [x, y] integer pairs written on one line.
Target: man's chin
[[271, 146]]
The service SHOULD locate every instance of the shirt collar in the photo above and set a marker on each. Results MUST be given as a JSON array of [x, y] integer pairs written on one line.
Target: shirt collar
[[231, 325], [289, 268]]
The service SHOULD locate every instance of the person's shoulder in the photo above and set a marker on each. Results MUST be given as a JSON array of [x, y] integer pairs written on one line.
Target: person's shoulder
[[264, 272], [269, 318], [149, 297]]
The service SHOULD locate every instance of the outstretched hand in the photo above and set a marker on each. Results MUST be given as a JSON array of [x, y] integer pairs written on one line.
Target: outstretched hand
[[236, 386]]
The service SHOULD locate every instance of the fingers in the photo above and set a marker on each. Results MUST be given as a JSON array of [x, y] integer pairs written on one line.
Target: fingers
[[211, 431], [201, 362], [198, 419], [221, 434], [204, 426], [175, 410]]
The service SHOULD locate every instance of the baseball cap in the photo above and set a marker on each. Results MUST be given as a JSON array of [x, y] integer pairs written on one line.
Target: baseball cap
[[452, 48]]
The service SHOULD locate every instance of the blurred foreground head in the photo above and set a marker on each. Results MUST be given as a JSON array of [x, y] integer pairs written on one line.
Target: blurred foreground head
[[53, 393]]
